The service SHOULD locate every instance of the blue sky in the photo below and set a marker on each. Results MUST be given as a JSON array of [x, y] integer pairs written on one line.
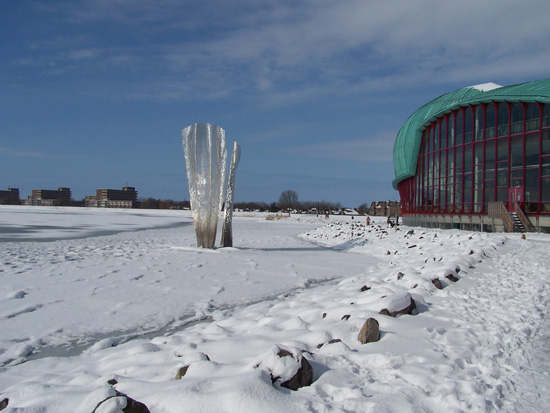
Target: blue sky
[[95, 93]]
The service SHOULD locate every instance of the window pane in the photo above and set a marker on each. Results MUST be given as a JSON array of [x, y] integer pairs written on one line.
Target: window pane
[[516, 152], [490, 155], [458, 196], [468, 125], [459, 127], [502, 194], [516, 178], [532, 150], [545, 167], [459, 157], [532, 185], [478, 154], [490, 119], [546, 141], [503, 118], [479, 123], [532, 117], [478, 177], [502, 177], [546, 116], [489, 194], [436, 137], [443, 133], [517, 118], [468, 158], [545, 196], [502, 150], [451, 130]]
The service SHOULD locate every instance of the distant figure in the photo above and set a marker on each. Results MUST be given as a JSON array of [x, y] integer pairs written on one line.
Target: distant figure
[[368, 220]]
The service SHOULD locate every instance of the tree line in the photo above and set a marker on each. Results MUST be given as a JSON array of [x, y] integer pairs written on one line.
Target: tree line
[[288, 201]]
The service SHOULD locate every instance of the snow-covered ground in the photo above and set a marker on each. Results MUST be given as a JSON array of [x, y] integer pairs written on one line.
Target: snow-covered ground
[[90, 297]]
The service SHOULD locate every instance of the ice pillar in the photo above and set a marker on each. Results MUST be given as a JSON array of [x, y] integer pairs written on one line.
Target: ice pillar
[[205, 163], [227, 232]]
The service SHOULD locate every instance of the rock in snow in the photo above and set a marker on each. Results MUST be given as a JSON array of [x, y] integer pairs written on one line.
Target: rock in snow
[[398, 303], [370, 332]]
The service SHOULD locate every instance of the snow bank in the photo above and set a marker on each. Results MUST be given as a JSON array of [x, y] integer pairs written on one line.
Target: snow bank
[[460, 349]]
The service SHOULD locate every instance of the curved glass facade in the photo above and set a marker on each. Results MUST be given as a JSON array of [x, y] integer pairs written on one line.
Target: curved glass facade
[[481, 153]]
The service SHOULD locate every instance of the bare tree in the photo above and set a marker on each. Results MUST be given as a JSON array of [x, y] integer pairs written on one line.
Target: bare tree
[[288, 200]]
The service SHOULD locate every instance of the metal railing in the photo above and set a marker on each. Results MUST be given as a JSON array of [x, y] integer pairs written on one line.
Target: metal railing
[[529, 227], [497, 210]]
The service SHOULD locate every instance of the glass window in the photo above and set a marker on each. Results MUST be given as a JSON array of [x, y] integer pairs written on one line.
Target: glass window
[[502, 195], [545, 167], [451, 130], [478, 132], [517, 118], [532, 149], [503, 119], [443, 133], [532, 117], [490, 155], [490, 193], [545, 196], [545, 142], [502, 176], [468, 125], [490, 120], [450, 161], [468, 159], [546, 116], [516, 178], [467, 193], [450, 193], [502, 153], [478, 177], [459, 127], [478, 154], [532, 185], [516, 152], [458, 196], [436, 137], [459, 160]]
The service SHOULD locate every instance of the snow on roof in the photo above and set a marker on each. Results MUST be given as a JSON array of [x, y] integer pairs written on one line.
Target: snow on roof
[[485, 87]]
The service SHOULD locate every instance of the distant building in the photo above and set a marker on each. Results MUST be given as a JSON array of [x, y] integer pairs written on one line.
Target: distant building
[[10, 197], [385, 208], [113, 198], [50, 197]]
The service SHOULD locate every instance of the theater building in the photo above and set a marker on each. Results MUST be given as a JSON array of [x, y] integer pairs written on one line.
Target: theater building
[[479, 159]]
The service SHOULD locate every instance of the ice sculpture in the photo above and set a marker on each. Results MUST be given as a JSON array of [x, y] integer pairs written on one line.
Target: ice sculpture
[[205, 163], [227, 231]]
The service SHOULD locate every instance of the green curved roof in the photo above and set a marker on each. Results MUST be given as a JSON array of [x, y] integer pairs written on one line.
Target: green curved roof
[[407, 144]]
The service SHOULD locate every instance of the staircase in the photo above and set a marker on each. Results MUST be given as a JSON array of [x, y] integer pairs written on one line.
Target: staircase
[[518, 225]]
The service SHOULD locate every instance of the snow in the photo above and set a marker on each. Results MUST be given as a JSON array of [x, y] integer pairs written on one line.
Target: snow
[[486, 87], [91, 295]]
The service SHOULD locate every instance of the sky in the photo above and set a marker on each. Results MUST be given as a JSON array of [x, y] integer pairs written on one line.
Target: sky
[[95, 93]]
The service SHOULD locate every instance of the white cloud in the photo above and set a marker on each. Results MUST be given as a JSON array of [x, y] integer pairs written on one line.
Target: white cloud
[[373, 149], [285, 51]]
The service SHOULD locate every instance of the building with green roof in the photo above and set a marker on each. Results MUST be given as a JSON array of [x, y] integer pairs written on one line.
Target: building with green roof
[[478, 158]]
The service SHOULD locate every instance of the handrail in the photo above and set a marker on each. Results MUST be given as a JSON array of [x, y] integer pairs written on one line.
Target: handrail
[[498, 210], [524, 220]]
